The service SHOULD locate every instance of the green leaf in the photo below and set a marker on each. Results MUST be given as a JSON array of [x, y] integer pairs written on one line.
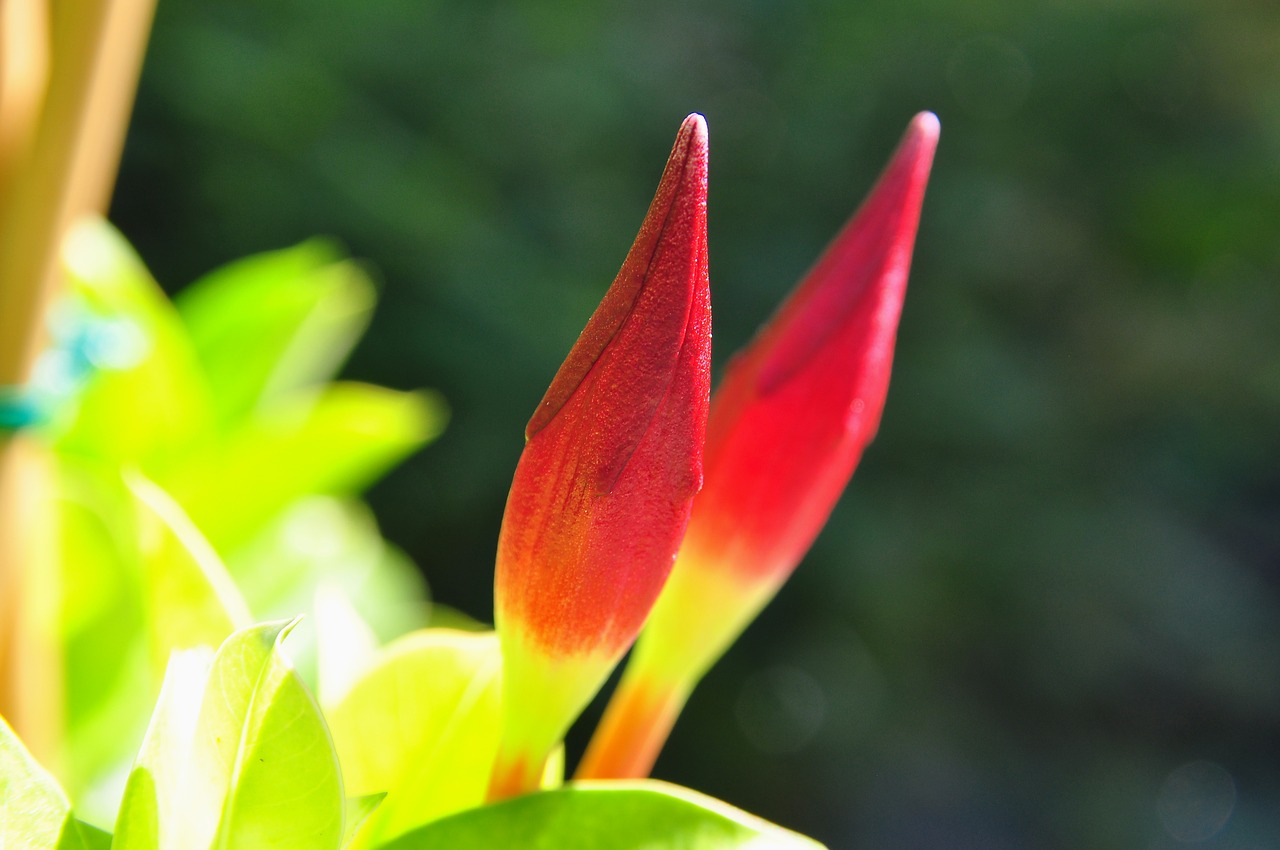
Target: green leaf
[[139, 581], [34, 812], [192, 601], [337, 443], [422, 724], [33, 808], [104, 627], [262, 771], [358, 810], [78, 835], [154, 805], [275, 322], [138, 823], [645, 815], [286, 786], [147, 400]]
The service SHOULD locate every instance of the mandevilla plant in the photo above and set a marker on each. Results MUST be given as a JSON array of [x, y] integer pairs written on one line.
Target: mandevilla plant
[[197, 474]]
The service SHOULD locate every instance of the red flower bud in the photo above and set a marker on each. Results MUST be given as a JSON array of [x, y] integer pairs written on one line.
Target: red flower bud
[[602, 493]]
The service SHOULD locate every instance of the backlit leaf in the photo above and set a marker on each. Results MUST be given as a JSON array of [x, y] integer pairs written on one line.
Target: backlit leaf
[[644, 815], [275, 322], [422, 724], [34, 812], [335, 443], [192, 601], [146, 401], [262, 770]]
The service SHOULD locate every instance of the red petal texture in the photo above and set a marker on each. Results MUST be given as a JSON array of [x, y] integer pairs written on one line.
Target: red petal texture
[[798, 406], [602, 493]]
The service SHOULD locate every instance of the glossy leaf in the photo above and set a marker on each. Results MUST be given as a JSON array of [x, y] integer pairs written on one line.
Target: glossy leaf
[[422, 724], [606, 816], [140, 582], [275, 322], [262, 770], [33, 808]]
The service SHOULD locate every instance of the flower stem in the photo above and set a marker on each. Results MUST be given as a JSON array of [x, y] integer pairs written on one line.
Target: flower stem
[[636, 724], [514, 774]]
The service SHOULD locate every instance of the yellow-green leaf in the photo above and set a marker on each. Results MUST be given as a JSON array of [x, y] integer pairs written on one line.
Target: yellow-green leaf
[[275, 322], [422, 724], [192, 601], [644, 815]]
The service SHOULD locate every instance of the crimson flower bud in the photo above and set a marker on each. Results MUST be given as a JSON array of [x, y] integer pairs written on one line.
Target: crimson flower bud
[[602, 492]]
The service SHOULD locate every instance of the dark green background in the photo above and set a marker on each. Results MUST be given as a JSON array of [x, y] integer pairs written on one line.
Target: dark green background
[[1055, 580]]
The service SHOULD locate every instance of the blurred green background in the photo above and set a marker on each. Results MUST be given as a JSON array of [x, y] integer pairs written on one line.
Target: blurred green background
[[1047, 612]]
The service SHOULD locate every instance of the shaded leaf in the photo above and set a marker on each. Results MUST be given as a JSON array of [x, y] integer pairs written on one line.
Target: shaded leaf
[[104, 627], [138, 823], [78, 835]]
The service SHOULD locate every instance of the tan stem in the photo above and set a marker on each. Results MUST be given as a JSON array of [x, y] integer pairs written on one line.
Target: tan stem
[[30, 654], [24, 73], [61, 166]]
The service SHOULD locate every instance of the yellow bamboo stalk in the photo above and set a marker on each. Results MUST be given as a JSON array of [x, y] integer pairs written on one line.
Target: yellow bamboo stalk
[[33, 696], [24, 72], [65, 170]]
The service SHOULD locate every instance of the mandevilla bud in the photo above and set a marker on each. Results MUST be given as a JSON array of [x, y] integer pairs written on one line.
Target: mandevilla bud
[[602, 493], [788, 425]]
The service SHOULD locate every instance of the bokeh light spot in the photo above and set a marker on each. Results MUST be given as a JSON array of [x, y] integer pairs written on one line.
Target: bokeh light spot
[[1196, 801], [781, 709]]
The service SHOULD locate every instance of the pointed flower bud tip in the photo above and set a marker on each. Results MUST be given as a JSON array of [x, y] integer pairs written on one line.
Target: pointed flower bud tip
[[613, 458], [798, 406]]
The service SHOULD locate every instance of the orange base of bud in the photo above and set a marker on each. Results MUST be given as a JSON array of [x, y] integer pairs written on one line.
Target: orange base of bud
[[636, 724], [513, 777]]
